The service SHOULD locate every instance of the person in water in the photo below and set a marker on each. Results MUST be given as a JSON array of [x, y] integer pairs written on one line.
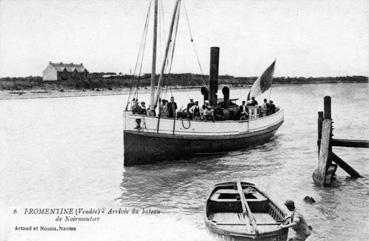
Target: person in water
[[297, 222]]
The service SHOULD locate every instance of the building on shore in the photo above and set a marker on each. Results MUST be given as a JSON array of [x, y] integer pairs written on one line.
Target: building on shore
[[62, 72]]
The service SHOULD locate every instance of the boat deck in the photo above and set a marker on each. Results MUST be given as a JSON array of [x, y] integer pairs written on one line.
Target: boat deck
[[236, 222]]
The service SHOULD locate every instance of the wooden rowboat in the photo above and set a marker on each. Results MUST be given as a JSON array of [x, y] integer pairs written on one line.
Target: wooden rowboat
[[240, 211]]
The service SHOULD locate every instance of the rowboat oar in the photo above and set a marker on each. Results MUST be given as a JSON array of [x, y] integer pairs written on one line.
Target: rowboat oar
[[246, 209]]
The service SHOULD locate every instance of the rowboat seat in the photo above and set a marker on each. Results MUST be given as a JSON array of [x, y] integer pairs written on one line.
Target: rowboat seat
[[229, 195]]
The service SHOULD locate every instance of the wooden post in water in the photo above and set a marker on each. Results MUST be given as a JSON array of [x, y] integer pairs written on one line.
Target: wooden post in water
[[324, 174], [320, 125]]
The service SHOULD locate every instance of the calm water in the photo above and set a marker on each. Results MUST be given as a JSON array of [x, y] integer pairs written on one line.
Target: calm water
[[68, 152]]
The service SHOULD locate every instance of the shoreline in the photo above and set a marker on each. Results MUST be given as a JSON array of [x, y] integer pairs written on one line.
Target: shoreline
[[52, 93], [42, 93]]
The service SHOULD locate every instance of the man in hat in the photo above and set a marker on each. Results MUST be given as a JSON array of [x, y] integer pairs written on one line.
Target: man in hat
[[297, 222], [172, 108], [195, 111], [272, 107], [189, 105], [143, 108]]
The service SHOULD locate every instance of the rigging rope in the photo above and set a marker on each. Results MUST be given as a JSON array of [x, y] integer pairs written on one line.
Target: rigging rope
[[161, 30], [140, 55], [172, 48], [169, 60], [193, 45]]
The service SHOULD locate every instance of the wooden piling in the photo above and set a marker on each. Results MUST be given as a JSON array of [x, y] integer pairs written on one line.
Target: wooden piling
[[323, 175], [319, 175], [327, 107], [320, 124]]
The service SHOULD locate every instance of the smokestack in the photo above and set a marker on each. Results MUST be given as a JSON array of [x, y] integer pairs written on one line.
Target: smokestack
[[214, 67]]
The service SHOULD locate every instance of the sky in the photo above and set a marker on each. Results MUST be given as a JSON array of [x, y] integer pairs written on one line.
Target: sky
[[306, 37]]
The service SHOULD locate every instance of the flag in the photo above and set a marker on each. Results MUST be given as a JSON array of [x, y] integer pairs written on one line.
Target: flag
[[263, 83]]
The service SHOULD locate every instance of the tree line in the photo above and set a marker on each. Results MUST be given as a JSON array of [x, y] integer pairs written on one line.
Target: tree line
[[111, 81]]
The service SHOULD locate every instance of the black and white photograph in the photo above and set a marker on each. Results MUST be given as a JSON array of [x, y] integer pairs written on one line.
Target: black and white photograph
[[184, 120]]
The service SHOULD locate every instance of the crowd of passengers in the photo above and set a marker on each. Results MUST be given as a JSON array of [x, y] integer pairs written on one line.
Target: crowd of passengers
[[169, 109]]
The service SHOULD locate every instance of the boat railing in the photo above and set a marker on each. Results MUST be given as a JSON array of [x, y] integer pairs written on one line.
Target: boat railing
[[278, 111]]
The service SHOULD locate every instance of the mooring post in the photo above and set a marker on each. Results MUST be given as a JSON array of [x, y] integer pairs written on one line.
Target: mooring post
[[320, 125], [328, 115], [327, 107], [324, 173]]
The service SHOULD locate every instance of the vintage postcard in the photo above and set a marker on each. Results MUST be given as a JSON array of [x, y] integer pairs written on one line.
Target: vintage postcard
[[184, 120]]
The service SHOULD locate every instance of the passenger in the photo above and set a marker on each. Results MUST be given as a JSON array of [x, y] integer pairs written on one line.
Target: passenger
[[189, 105], [272, 107], [143, 108], [254, 102], [183, 113], [172, 108], [297, 222], [136, 109], [132, 104], [195, 111], [203, 110], [163, 111], [264, 108], [209, 113], [243, 111], [150, 112]]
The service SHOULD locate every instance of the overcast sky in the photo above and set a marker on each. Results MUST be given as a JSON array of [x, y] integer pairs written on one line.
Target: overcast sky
[[307, 37]]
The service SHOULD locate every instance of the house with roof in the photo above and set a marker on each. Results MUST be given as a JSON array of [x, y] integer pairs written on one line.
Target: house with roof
[[62, 71]]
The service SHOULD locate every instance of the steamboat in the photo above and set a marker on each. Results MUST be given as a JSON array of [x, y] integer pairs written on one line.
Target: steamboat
[[151, 137]]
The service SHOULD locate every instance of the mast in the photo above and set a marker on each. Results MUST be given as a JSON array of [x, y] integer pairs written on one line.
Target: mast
[[166, 51], [153, 67]]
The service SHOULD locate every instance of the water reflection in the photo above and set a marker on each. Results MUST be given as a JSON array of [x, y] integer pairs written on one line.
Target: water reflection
[[183, 185]]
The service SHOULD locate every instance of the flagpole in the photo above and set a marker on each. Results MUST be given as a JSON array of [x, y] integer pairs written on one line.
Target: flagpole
[[270, 92], [271, 84]]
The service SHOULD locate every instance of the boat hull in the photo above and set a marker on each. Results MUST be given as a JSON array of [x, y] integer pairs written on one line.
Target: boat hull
[[220, 234], [146, 147]]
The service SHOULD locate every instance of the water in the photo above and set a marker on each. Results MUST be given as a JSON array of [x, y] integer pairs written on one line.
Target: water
[[68, 152]]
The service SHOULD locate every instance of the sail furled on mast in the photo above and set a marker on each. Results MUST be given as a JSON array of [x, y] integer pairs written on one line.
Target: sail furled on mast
[[167, 49], [263, 83], [153, 66]]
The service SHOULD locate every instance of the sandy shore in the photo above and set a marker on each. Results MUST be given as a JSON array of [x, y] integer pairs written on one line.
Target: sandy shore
[[35, 94]]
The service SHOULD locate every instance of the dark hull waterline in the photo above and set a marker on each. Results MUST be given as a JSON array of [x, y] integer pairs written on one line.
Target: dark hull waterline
[[147, 148]]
